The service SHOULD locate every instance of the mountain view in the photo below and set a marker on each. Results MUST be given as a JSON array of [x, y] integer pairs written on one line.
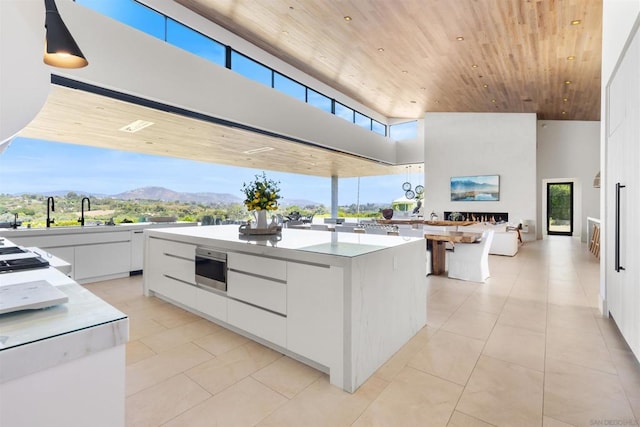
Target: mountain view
[[140, 204]]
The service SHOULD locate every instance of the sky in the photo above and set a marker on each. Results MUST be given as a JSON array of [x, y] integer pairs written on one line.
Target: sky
[[36, 166]]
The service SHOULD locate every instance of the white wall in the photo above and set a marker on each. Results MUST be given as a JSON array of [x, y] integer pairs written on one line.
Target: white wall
[[618, 18], [569, 151], [459, 144]]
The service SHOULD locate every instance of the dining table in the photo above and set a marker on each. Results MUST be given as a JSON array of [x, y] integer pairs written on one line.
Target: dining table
[[436, 243]]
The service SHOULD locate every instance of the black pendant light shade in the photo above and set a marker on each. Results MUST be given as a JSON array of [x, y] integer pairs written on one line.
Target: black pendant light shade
[[60, 49]]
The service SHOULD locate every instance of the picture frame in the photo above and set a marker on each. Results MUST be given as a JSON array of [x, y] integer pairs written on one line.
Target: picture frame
[[475, 188]]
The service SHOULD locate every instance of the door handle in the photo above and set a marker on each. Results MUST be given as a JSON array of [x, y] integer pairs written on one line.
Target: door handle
[[618, 267]]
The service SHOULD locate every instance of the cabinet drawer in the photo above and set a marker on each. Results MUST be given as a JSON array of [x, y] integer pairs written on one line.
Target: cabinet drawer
[[269, 326], [211, 304], [175, 290], [182, 250], [178, 268], [255, 290], [267, 267]]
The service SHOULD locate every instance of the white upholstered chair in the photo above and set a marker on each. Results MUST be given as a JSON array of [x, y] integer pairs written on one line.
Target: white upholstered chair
[[470, 261]]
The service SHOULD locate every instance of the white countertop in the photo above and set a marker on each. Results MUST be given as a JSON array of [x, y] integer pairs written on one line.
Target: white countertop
[[32, 340], [311, 241], [54, 230]]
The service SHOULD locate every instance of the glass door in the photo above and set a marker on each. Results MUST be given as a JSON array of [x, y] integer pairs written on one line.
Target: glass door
[[560, 208]]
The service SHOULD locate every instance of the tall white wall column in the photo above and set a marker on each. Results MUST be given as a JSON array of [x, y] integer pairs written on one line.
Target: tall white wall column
[[334, 197]]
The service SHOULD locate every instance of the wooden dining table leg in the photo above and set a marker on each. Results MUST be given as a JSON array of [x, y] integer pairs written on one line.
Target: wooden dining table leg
[[438, 256]]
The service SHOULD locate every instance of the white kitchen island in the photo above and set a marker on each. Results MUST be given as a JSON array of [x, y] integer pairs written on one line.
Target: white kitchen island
[[63, 365], [343, 303]]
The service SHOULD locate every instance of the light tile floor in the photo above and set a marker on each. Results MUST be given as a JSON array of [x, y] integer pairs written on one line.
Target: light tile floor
[[526, 348]]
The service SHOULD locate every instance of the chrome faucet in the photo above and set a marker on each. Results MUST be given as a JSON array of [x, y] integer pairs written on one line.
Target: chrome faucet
[[50, 208], [81, 220]]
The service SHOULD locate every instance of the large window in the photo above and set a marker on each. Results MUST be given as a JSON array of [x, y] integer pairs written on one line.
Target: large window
[[251, 69], [344, 112], [145, 19], [131, 13], [378, 128], [192, 41], [319, 101], [403, 131], [290, 87], [362, 121]]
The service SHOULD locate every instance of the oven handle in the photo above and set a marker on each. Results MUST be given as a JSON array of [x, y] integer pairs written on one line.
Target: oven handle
[[211, 254]]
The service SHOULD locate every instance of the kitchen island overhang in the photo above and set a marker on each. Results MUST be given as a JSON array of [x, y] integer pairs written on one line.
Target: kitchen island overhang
[[343, 303]]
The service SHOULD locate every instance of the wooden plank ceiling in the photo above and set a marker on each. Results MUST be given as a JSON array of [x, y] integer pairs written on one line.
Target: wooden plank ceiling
[[403, 58], [79, 117]]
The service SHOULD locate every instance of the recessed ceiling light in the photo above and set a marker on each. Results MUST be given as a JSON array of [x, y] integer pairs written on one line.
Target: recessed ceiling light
[[576, 22], [136, 126], [380, 49], [485, 85], [564, 112], [565, 99], [567, 82], [493, 100], [571, 58], [258, 150], [347, 18], [474, 66], [459, 38]]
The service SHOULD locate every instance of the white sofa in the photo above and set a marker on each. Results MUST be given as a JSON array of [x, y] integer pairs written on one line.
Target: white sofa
[[504, 242]]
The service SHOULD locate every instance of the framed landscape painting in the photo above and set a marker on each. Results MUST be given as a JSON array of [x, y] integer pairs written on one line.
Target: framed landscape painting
[[475, 188]]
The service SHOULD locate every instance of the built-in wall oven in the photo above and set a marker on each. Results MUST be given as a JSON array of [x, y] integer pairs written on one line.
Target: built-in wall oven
[[211, 268]]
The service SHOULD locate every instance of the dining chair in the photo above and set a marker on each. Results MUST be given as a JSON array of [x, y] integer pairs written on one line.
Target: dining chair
[[470, 261]]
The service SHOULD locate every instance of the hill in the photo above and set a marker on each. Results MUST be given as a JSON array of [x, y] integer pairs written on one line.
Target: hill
[[166, 195]]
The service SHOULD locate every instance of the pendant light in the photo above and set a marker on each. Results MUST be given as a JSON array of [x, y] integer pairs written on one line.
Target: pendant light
[[60, 49]]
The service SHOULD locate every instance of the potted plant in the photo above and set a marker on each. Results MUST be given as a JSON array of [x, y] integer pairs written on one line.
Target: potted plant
[[261, 196]]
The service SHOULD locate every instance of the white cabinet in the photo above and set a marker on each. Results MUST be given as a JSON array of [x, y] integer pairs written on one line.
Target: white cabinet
[[261, 323], [315, 312], [92, 255], [101, 260], [256, 290], [171, 271], [622, 156], [211, 304], [176, 290], [137, 250], [258, 265]]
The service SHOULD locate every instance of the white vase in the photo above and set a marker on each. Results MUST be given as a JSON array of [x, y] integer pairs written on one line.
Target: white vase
[[261, 219]]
